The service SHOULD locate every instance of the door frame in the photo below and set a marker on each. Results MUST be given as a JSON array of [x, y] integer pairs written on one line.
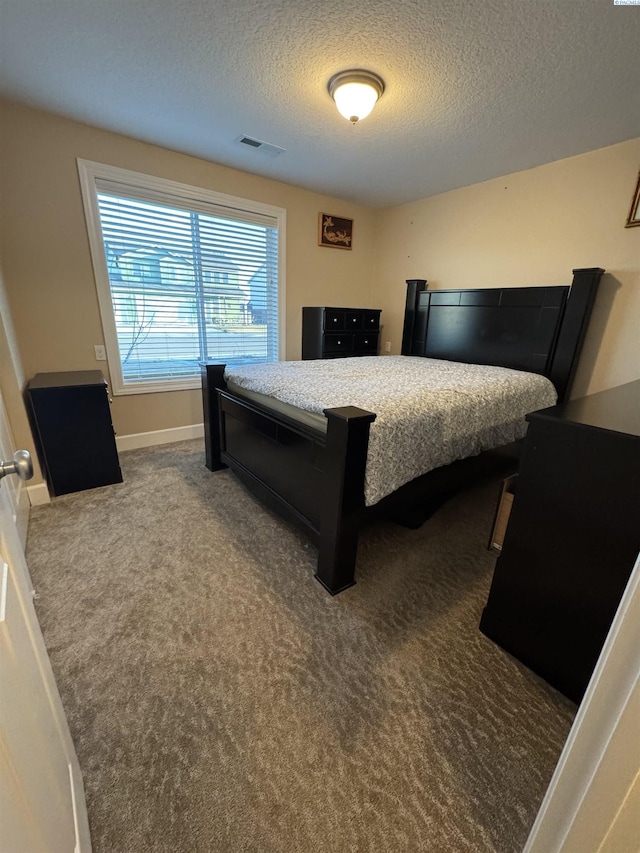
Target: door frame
[[593, 799], [16, 489]]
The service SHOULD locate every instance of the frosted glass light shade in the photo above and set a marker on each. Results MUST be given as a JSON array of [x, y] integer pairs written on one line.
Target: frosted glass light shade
[[355, 93]]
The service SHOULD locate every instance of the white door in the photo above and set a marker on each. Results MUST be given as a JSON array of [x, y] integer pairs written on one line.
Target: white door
[[42, 805], [16, 493]]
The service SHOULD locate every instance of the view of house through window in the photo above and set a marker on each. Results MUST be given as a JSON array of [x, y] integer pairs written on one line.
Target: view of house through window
[[186, 285]]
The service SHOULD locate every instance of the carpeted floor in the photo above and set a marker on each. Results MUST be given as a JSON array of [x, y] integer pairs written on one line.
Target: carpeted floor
[[220, 700]]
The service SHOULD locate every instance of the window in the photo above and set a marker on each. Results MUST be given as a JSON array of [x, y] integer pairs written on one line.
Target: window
[[183, 275]]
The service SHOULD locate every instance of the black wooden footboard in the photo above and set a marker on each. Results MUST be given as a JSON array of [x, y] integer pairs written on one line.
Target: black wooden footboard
[[314, 479]]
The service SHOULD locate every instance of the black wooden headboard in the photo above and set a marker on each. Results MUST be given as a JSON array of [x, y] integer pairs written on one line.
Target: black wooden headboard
[[539, 329]]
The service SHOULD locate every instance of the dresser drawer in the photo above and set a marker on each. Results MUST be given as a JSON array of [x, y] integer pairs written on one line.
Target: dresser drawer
[[334, 320], [371, 320], [353, 320], [338, 343], [366, 342]]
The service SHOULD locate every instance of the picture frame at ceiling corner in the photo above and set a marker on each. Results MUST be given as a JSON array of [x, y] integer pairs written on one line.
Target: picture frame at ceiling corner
[[336, 232], [633, 220]]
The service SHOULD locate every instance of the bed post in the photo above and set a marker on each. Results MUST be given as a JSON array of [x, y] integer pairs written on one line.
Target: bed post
[[212, 379], [342, 502], [573, 328], [415, 286]]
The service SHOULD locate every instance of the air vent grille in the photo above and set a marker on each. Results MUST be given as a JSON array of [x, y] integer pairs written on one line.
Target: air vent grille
[[260, 145], [246, 140]]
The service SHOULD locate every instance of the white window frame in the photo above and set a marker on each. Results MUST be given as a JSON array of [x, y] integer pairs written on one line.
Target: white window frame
[[89, 172]]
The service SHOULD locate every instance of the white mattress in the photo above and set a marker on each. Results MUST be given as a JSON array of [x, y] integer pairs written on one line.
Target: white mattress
[[428, 412]]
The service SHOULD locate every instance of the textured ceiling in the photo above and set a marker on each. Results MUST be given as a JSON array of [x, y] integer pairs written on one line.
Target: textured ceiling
[[474, 88]]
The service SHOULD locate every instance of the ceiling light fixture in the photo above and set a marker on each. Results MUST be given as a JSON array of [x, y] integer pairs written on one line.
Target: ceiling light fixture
[[355, 92]]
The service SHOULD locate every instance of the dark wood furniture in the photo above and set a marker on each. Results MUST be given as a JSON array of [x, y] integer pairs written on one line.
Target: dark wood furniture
[[339, 332], [315, 478], [71, 421], [572, 539]]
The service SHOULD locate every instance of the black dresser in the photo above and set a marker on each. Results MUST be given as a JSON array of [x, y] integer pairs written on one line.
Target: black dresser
[[71, 421], [339, 332], [572, 537]]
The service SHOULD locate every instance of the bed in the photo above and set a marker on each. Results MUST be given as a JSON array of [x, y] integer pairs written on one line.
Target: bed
[[312, 466]]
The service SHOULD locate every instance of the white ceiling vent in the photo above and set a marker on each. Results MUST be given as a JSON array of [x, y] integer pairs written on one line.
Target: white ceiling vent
[[259, 145]]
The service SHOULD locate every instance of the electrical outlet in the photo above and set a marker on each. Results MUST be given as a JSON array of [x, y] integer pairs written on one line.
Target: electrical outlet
[[101, 353], [387, 346]]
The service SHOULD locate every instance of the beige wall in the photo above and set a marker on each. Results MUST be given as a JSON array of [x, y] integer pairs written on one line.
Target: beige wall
[[529, 228], [47, 266]]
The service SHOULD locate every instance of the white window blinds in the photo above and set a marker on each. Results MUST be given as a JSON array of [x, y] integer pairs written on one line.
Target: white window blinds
[[189, 279]]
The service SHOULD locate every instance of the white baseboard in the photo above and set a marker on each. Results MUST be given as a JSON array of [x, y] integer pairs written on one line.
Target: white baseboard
[[38, 494], [159, 436]]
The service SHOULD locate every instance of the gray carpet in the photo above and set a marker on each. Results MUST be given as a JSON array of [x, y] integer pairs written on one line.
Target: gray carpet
[[220, 700]]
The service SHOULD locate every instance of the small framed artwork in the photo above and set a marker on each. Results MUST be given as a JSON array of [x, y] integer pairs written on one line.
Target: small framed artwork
[[634, 211], [334, 231]]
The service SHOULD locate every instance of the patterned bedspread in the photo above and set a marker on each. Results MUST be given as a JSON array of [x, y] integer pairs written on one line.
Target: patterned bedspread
[[429, 412]]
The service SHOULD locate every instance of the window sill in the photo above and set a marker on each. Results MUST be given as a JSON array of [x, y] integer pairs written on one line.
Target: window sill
[[162, 386]]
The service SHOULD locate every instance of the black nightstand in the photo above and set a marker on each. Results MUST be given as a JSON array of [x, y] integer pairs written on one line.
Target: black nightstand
[[572, 538], [71, 420]]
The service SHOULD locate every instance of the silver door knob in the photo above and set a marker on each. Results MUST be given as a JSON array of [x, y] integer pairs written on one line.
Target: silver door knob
[[21, 465]]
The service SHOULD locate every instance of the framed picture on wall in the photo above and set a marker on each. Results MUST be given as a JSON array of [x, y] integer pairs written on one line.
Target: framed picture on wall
[[634, 212], [334, 231]]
